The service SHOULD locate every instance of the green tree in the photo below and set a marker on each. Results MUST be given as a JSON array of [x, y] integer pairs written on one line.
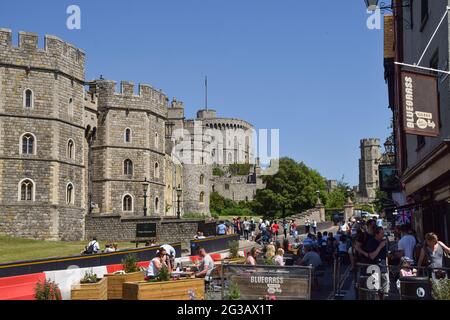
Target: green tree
[[292, 190], [382, 200], [216, 202], [337, 198]]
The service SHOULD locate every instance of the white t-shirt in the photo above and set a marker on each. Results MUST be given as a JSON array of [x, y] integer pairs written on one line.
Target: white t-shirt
[[207, 261], [407, 243], [169, 249], [279, 261], [96, 245], [152, 271]]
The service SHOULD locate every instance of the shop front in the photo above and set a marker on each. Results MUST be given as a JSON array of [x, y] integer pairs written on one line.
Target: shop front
[[428, 184]]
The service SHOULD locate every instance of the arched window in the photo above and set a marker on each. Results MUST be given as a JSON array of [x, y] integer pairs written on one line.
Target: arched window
[[26, 190], [70, 149], [127, 203], [156, 205], [69, 194], [28, 98], [28, 144], [202, 197], [156, 170], [70, 108], [202, 180], [156, 140], [127, 135], [230, 158], [128, 167]]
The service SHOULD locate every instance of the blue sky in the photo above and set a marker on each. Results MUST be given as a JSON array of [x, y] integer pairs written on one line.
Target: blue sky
[[310, 68]]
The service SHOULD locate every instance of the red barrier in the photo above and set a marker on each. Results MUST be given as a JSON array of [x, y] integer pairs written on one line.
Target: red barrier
[[214, 256], [20, 287], [118, 267]]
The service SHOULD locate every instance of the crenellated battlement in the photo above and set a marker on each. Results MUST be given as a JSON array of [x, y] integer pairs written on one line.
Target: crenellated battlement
[[147, 97], [176, 104], [145, 92], [370, 142], [57, 54]]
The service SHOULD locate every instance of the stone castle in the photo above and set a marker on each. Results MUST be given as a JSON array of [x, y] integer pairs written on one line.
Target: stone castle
[[70, 149], [369, 180]]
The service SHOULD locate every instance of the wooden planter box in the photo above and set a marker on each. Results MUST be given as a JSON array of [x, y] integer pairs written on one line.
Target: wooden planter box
[[116, 281], [170, 290], [90, 291]]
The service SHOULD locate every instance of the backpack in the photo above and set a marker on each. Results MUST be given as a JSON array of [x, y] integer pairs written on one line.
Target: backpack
[[90, 249]]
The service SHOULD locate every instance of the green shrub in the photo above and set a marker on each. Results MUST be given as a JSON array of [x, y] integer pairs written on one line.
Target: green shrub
[[218, 172], [239, 212], [233, 292], [441, 289], [216, 202], [129, 263], [215, 215], [164, 274], [193, 215], [239, 169], [234, 249], [89, 277], [48, 290]]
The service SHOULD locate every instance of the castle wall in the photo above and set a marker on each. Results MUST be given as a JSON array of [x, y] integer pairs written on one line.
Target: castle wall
[[145, 116], [96, 121], [54, 75]]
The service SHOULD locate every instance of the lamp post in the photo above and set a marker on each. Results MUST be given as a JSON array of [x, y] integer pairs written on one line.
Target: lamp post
[[145, 185], [179, 193]]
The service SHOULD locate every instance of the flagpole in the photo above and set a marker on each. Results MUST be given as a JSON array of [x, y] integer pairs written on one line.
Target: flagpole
[[206, 92]]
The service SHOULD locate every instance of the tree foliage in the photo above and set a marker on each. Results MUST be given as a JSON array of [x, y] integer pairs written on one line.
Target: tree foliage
[[292, 190], [338, 197]]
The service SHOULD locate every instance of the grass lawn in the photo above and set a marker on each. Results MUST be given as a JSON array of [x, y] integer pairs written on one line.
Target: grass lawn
[[17, 249]]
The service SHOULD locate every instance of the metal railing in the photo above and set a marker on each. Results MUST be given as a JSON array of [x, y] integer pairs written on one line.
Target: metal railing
[[340, 275]]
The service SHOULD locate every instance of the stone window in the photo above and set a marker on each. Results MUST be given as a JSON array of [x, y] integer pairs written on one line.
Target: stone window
[[202, 197], [202, 180], [70, 108], [227, 186], [28, 98], [128, 167], [156, 170], [156, 141], [127, 203], [230, 158], [28, 144], [127, 135], [70, 149], [26, 190], [70, 194], [156, 205]]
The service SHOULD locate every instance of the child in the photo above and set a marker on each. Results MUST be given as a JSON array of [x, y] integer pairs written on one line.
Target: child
[[405, 268]]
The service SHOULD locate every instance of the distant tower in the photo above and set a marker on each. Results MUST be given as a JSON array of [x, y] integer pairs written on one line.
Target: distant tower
[[369, 180]]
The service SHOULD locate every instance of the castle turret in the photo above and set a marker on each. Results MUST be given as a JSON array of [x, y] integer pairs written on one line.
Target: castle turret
[[43, 192]]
